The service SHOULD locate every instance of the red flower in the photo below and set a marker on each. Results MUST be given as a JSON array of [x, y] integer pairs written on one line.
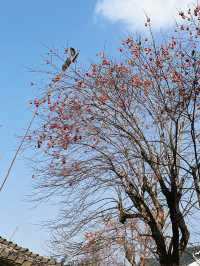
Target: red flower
[[54, 125], [105, 62], [103, 98]]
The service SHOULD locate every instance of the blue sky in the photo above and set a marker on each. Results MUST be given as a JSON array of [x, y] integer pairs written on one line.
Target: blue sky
[[26, 27]]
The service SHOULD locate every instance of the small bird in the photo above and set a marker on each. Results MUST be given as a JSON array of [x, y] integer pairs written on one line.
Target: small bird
[[74, 58], [66, 64], [72, 51], [71, 59]]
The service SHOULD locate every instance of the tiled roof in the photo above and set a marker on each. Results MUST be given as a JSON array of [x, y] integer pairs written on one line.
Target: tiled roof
[[12, 254]]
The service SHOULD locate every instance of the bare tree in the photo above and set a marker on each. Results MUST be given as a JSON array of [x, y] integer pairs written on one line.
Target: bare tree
[[121, 140]]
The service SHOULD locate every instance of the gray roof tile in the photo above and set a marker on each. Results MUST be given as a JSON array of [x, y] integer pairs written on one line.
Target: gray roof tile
[[17, 256]]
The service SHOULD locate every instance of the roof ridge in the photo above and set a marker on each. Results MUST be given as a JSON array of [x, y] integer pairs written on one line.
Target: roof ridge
[[13, 253]]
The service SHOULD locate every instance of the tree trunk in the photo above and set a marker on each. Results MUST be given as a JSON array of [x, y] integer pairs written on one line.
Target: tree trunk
[[169, 261], [170, 264]]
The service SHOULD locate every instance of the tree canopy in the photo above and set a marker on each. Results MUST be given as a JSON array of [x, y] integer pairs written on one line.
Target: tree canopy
[[119, 146]]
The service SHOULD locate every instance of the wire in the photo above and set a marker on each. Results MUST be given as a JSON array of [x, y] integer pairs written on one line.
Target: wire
[[13, 233], [17, 151]]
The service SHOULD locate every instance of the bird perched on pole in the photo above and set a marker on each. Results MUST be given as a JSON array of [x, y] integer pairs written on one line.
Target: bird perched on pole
[[70, 59]]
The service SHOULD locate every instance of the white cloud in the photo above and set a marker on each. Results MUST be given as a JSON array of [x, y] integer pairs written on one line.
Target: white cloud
[[132, 12]]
